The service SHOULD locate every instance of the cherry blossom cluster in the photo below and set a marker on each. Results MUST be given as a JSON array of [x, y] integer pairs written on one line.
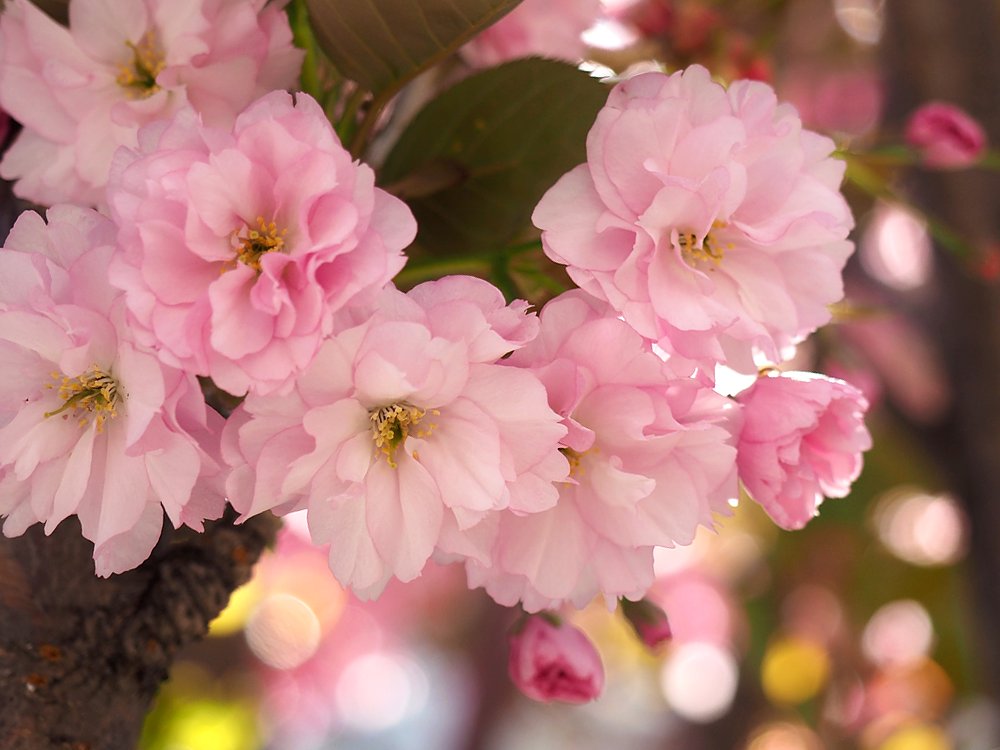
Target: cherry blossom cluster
[[238, 241]]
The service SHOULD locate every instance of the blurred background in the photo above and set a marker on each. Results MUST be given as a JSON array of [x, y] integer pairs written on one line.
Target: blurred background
[[875, 627]]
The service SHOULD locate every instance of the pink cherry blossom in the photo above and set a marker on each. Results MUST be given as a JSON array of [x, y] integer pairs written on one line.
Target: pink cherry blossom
[[91, 424], [83, 91], [546, 28], [652, 458], [239, 246], [401, 431], [554, 662], [802, 439], [706, 216], [945, 135]]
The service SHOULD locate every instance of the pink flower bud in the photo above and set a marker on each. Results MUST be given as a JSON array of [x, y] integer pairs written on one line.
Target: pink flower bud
[[945, 135], [554, 662], [649, 17], [648, 620]]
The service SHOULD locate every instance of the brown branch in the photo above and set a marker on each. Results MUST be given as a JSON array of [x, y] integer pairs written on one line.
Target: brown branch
[[81, 657]]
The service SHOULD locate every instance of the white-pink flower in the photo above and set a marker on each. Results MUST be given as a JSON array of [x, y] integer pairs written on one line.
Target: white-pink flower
[[802, 439], [651, 456], [92, 424], [83, 91], [706, 216], [239, 246], [546, 28], [403, 429]]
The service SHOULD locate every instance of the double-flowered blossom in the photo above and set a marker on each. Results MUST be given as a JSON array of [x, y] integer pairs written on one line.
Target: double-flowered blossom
[[707, 217], [239, 246], [652, 457], [403, 432], [802, 439], [84, 91], [91, 424]]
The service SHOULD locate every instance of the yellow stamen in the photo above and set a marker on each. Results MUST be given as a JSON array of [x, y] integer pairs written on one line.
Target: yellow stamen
[[391, 425], [94, 392], [709, 251], [138, 76], [265, 238], [574, 458]]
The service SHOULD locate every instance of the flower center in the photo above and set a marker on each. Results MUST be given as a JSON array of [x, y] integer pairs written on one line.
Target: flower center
[[138, 77], [264, 239], [707, 253], [94, 392], [391, 426], [574, 459]]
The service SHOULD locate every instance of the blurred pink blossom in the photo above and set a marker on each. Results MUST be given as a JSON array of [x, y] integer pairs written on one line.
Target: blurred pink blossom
[[546, 28], [238, 246], [401, 435], [945, 135], [91, 424], [802, 439], [649, 17], [651, 458], [82, 92], [702, 608], [835, 101], [554, 662], [899, 355], [707, 217]]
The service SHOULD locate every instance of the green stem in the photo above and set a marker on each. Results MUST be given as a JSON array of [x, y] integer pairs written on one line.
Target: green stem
[[991, 160], [868, 180], [359, 141], [888, 156], [435, 268], [502, 278], [346, 126], [302, 37], [480, 264]]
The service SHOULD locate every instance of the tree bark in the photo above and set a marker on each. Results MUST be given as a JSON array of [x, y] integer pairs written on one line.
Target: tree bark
[[81, 657], [949, 51]]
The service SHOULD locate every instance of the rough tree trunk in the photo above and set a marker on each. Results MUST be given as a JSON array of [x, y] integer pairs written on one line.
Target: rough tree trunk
[[82, 657], [948, 50]]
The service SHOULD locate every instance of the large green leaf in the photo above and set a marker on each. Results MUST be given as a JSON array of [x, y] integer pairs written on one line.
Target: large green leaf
[[475, 161], [384, 43]]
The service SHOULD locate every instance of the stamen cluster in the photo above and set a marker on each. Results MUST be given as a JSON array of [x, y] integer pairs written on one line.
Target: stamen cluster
[[92, 394], [138, 77]]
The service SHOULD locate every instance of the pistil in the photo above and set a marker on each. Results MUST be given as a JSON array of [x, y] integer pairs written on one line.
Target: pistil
[[257, 242], [138, 77], [94, 394], [392, 424]]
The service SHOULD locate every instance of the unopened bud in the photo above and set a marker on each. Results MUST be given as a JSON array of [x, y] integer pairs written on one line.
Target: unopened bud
[[648, 620], [553, 661]]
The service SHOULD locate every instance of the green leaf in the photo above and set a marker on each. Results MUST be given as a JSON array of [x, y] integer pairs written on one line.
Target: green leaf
[[381, 44], [501, 138]]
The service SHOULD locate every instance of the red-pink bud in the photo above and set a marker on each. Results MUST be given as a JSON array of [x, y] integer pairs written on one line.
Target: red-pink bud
[[554, 662], [945, 135], [648, 620], [650, 17]]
